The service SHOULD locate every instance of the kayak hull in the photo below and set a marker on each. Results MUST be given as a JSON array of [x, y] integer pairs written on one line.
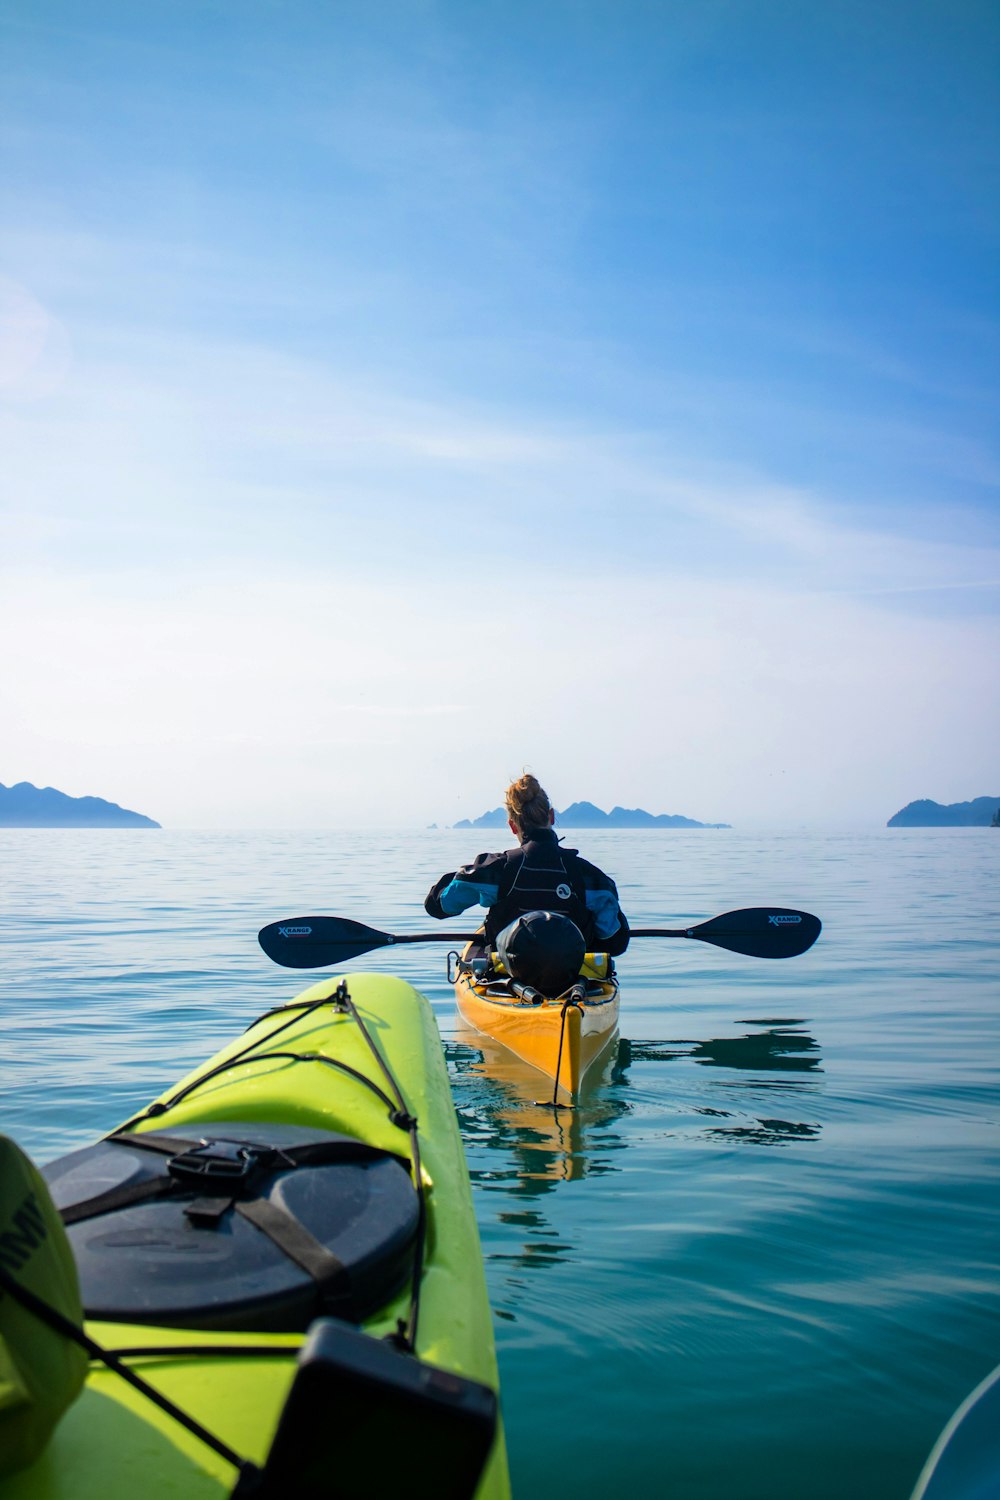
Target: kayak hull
[[113, 1441]]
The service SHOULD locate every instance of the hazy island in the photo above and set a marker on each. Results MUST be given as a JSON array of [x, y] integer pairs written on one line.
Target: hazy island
[[981, 812], [586, 815], [27, 806]]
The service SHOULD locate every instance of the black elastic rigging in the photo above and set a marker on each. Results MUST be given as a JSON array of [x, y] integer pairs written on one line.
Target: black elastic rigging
[[281, 1010], [406, 1334], [572, 1001], [224, 1351], [158, 1109]]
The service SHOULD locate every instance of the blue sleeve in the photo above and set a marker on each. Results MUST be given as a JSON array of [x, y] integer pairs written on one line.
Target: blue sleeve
[[603, 907], [460, 894]]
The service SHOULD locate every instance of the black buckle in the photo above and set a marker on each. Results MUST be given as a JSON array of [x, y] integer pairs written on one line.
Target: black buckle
[[219, 1163]]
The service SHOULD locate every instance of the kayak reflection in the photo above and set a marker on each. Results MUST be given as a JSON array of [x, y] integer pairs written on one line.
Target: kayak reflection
[[523, 1149], [502, 1108], [527, 1147]]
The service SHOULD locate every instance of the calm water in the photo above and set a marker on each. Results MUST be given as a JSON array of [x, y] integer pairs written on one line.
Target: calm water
[[759, 1263]]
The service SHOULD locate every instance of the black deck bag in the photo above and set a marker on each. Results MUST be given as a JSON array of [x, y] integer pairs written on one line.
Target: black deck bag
[[543, 949]]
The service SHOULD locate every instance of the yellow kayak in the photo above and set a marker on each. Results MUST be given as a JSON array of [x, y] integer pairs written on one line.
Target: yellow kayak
[[563, 1038]]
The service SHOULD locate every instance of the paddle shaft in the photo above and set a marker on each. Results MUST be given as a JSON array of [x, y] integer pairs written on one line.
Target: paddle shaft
[[467, 937], [681, 932], [428, 937]]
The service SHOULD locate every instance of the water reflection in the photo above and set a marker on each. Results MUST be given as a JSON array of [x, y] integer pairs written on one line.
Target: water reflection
[[768, 1132], [782, 1047], [528, 1148], [501, 1106], [518, 1146]]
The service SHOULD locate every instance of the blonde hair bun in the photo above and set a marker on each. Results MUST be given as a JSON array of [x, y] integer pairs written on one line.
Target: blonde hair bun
[[527, 804]]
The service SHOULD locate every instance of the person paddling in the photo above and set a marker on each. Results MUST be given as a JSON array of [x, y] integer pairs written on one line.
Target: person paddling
[[539, 875]]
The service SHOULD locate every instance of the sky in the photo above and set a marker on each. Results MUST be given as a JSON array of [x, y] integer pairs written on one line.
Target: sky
[[399, 394]]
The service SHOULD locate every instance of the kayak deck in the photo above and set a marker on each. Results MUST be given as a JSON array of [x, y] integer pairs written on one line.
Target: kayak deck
[[305, 1064]]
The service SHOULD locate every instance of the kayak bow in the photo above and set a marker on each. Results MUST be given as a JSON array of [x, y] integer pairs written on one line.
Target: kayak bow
[[312, 1169]]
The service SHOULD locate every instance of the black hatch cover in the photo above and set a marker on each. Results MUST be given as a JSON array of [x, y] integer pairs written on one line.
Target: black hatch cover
[[236, 1226]]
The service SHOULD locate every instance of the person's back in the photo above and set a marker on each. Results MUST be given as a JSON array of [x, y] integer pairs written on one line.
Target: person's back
[[539, 875]]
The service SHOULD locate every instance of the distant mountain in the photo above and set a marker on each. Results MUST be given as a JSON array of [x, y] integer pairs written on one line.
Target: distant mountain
[[586, 815], [926, 814], [27, 806], [495, 819]]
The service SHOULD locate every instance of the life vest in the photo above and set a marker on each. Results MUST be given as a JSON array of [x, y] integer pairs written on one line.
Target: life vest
[[543, 878]]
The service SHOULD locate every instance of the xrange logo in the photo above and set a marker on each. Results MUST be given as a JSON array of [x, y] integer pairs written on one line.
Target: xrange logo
[[18, 1244], [294, 931], [780, 920]]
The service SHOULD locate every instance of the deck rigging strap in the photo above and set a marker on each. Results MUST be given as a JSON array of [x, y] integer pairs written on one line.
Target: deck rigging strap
[[192, 1164], [573, 1001], [405, 1337]]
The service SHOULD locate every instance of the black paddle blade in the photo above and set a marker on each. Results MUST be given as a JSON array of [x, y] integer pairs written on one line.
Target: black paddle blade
[[314, 942], [761, 931]]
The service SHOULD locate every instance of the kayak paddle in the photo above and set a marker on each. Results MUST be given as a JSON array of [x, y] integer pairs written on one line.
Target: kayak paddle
[[759, 931], [315, 942]]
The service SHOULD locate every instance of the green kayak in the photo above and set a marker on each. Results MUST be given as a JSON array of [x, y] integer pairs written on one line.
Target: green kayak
[[282, 1252]]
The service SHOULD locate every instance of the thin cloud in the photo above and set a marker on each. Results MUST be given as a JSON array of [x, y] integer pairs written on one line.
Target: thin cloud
[[223, 446]]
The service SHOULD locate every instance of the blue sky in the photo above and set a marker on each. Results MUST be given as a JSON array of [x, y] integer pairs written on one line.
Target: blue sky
[[387, 386]]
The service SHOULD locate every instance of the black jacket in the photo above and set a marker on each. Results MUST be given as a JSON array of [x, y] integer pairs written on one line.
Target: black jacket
[[539, 875]]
